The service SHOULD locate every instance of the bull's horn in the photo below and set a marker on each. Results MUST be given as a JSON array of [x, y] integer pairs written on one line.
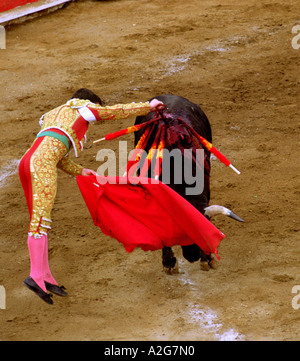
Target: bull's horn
[[211, 211]]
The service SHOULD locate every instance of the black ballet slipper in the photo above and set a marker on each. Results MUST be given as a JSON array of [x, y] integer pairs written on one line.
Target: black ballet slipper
[[33, 286], [58, 290]]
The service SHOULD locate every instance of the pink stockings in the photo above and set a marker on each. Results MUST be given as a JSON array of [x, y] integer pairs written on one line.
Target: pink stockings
[[39, 264]]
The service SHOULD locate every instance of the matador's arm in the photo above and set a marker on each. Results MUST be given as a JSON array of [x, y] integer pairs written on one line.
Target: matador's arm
[[95, 112], [121, 111]]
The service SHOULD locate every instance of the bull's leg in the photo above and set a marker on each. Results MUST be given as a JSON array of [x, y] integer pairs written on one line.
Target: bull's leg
[[169, 262], [193, 253]]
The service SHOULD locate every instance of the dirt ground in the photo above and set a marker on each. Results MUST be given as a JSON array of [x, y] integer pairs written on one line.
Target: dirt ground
[[235, 59]]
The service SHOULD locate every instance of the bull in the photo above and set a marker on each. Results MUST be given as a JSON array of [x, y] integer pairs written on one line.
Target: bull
[[180, 115]]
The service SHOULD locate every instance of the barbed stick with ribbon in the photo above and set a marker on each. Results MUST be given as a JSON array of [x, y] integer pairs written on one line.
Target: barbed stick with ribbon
[[143, 142]]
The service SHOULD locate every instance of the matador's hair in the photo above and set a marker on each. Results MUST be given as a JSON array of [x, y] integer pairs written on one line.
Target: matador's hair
[[86, 94]]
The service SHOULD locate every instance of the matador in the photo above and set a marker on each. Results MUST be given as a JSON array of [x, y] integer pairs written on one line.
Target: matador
[[63, 128]]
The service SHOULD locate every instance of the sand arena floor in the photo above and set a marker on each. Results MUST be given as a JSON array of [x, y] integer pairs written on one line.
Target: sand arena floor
[[233, 58]]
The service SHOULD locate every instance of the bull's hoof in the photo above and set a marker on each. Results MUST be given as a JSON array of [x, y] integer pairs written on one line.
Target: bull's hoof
[[171, 270], [206, 265], [213, 264]]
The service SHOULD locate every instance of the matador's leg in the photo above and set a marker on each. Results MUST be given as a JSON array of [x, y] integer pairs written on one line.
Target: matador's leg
[[38, 176]]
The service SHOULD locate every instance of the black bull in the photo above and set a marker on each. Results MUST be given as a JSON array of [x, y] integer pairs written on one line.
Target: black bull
[[177, 137]]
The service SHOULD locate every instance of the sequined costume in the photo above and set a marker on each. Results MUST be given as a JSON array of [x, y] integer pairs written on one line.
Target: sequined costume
[[62, 129]]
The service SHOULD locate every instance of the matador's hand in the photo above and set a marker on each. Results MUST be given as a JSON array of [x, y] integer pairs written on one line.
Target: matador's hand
[[156, 105], [86, 172]]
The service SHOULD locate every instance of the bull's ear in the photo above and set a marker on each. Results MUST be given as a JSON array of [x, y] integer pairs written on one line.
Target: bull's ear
[[214, 210]]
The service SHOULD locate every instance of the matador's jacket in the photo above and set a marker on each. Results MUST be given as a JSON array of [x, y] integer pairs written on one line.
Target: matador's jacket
[[63, 128]]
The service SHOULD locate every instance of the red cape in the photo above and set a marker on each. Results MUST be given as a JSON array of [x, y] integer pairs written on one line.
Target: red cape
[[149, 216]]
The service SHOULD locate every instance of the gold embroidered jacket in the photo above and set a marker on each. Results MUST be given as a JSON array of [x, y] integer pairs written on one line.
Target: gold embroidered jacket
[[73, 120]]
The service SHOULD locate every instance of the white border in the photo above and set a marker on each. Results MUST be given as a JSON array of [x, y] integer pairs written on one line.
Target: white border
[[29, 9]]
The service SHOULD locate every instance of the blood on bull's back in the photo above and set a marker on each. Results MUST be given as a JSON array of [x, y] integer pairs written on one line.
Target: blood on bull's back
[[177, 141]]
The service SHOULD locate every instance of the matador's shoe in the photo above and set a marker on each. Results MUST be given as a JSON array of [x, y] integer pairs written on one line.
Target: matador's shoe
[[33, 286], [59, 290]]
